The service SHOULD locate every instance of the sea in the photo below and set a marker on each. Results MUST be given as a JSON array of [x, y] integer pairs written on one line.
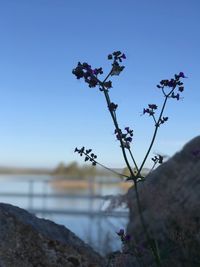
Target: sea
[[77, 209]]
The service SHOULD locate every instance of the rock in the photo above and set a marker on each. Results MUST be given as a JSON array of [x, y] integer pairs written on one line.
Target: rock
[[27, 241], [119, 259], [170, 199]]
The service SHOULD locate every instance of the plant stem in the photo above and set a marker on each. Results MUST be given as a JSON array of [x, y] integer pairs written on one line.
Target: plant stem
[[149, 240], [133, 159], [107, 168], [134, 179], [155, 131], [113, 115], [153, 167], [154, 250]]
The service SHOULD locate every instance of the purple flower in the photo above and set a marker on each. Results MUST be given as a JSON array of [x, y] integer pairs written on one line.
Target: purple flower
[[182, 75], [95, 71], [128, 139], [127, 238], [157, 159], [146, 110], [196, 153], [177, 96], [153, 106], [78, 72], [123, 56], [108, 84], [164, 82], [181, 88], [113, 106], [116, 53], [172, 83], [117, 69], [121, 232]]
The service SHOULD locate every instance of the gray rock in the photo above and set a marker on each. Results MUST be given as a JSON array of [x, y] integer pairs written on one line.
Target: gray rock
[[120, 259], [27, 241], [170, 199]]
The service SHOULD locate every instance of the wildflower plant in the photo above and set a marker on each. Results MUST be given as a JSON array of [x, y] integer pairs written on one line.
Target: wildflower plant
[[125, 239], [171, 89]]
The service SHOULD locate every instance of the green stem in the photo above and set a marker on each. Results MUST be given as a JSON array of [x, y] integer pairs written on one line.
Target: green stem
[[136, 166], [153, 248], [153, 167], [155, 131], [103, 166], [148, 238], [113, 115]]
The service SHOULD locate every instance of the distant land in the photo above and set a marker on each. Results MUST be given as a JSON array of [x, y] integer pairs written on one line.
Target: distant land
[[71, 170], [22, 170]]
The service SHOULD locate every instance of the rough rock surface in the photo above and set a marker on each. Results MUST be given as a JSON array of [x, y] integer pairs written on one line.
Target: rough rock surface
[[170, 199], [27, 241], [120, 259]]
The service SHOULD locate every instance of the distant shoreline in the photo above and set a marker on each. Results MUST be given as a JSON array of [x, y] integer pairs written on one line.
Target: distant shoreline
[[61, 184], [69, 172], [72, 170], [26, 171]]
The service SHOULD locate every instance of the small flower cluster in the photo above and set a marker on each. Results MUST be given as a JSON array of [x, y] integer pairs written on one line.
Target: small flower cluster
[[177, 96], [88, 155], [173, 83], [90, 75], [150, 110], [113, 106], [157, 159], [125, 238], [162, 120], [84, 70], [196, 153], [126, 137], [117, 58]]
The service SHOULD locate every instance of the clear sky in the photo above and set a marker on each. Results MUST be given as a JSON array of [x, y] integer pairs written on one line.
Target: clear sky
[[45, 112]]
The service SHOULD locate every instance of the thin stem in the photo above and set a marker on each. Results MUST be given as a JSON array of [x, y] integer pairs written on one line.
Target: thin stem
[[134, 178], [113, 115], [114, 61], [154, 118], [153, 249], [140, 211], [103, 166], [153, 167], [133, 159], [111, 170], [163, 92], [155, 131], [107, 76]]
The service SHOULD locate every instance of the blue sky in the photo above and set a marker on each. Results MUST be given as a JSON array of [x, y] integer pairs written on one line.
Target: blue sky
[[45, 112]]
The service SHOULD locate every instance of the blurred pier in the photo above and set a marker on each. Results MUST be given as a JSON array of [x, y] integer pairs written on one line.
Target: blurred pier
[[85, 210], [31, 196]]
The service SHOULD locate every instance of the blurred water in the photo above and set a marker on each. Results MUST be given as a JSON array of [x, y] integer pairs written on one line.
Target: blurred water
[[99, 232]]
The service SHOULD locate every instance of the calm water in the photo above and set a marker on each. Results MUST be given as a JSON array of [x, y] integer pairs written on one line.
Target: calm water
[[98, 232]]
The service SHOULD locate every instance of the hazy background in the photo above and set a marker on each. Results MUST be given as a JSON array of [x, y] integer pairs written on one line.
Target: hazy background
[[45, 112]]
